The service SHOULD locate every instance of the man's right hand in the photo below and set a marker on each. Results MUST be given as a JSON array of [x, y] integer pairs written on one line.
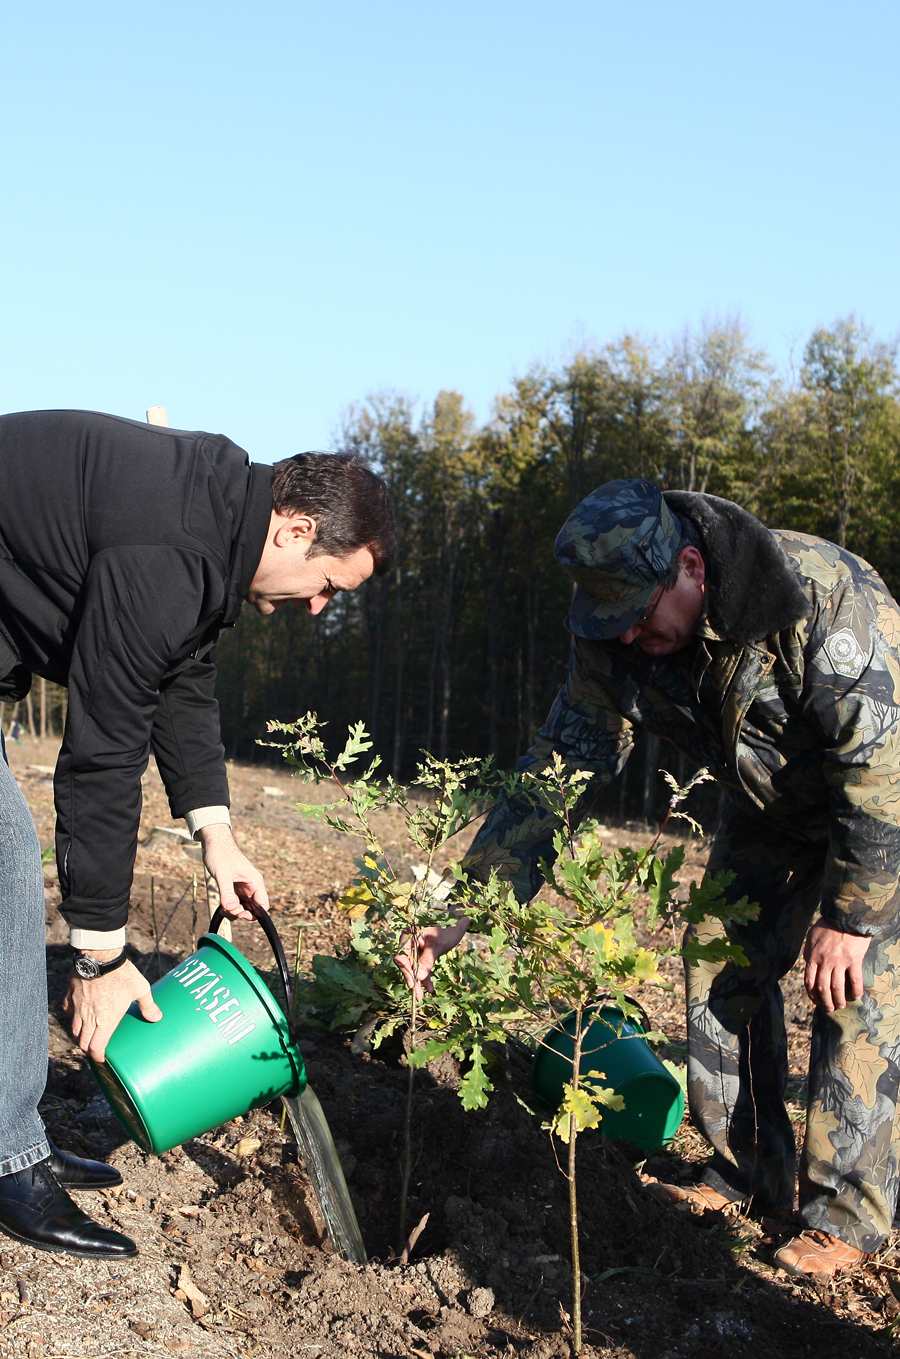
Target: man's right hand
[[237, 879], [416, 963], [95, 1007], [834, 966]]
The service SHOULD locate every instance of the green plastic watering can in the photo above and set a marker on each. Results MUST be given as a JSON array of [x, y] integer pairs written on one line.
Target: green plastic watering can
[[615, 1049], [223, 1046]]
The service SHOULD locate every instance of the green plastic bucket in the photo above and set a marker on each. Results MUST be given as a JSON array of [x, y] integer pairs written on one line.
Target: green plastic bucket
[[615, 1049], [222, 1047]]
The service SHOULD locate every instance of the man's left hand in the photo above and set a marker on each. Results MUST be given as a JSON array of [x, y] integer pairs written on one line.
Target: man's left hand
[[95, 1007], [834, 962], [238, 881]]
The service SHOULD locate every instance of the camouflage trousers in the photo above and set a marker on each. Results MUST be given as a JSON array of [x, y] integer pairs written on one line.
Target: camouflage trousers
[[737, 1053]]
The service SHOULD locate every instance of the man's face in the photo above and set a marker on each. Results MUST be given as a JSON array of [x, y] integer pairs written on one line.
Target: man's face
[[287, 574], [672, 615]]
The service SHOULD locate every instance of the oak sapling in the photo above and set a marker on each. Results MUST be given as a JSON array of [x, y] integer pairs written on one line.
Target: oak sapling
[[532, 961], [544, 959]]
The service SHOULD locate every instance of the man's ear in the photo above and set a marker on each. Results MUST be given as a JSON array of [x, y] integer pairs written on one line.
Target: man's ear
[[296, 530], [691, 561]]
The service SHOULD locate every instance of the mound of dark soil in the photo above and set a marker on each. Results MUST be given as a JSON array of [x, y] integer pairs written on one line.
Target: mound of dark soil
[[233, 1256], [490, 1273]]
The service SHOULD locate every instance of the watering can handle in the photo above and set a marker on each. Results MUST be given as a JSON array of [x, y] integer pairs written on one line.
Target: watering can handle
[[260, 914]]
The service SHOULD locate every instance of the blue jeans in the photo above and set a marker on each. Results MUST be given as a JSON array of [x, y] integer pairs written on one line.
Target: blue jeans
[[23, 981]]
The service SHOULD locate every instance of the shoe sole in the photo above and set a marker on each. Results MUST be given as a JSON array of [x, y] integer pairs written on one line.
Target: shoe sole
[[67, 1250], [798, 1273], [86, 1188]]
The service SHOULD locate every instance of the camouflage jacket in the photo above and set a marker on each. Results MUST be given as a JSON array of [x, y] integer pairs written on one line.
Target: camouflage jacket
[[799, 722]]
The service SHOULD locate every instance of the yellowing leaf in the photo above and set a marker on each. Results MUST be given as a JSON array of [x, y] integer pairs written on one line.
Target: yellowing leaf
[[583, 1105], [645, 969], [355, 901], [603, 1094]]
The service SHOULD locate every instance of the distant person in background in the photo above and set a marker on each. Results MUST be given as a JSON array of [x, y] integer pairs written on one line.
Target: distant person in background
[[125, 549], [770, 657]]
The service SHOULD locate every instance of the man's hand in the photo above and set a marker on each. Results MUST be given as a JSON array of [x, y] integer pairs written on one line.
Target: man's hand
[[237, 879], [433, 941], [95, 1007], [834, 966]]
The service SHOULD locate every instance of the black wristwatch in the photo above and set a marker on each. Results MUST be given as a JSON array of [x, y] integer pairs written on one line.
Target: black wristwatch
[[89, 969]]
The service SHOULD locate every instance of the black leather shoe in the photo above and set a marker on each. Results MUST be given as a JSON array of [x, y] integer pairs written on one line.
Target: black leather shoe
[[36, 1210], [75, 1173]]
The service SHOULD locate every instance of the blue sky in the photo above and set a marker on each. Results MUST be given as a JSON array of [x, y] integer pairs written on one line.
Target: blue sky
[[256, 213]]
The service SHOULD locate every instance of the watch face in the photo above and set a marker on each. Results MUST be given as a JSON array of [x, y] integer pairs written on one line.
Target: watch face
[[87, 968]]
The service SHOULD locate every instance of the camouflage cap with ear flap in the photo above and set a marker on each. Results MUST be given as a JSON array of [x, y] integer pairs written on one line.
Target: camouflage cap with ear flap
[[617, 545]]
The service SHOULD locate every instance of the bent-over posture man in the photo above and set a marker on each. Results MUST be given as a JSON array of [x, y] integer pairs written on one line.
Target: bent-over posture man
[[771, 657], [125, 549]]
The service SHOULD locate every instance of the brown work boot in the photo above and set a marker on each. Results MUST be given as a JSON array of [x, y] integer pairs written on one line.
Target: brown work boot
[[817, 1256], [700, 1198]]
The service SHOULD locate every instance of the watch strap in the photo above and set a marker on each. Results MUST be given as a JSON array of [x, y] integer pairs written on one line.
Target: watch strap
[[95, 968]]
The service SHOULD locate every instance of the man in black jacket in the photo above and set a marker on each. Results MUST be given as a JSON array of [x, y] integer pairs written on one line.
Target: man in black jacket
[[125, 549]]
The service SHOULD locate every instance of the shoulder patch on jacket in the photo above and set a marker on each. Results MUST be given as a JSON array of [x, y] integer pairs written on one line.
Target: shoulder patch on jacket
[[845, 653]]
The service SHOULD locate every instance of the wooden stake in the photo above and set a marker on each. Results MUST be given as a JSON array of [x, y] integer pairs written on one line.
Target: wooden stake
[[155, 926], [29, 712], [413, 1238], [152, 909]]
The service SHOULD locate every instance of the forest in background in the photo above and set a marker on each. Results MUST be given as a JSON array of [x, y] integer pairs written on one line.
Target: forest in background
[[461, 648]]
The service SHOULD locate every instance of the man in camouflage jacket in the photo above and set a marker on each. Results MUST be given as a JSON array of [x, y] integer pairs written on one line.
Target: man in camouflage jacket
[[771, 658]]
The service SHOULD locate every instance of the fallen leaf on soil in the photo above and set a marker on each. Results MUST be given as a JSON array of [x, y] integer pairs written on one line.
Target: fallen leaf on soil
[[247, 1146], [187, 1291], [189, 1210], [252, 1263], [177, 1345], [143, 1328]]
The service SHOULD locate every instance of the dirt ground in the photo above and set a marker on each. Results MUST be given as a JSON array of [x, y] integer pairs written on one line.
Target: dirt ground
[[233, 1257]]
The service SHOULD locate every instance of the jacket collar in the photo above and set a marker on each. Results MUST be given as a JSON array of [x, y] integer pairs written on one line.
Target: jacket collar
[[753, 591], [250, 538]]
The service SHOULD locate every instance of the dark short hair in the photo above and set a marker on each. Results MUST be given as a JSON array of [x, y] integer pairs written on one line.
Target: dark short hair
[[351, 505]]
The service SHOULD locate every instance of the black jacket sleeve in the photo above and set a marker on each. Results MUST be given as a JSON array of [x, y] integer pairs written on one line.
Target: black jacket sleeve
[[136, 608], [187, 739]]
